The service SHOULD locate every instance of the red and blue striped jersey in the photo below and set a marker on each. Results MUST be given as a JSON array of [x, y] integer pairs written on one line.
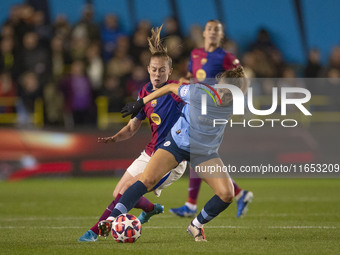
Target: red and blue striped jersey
[[205, 64], [162, 113]]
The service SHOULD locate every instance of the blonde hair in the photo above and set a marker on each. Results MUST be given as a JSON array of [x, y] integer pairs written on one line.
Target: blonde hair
[[156, 46]]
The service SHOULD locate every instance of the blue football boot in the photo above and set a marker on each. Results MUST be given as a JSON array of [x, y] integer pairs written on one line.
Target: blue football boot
[[243, 203], [183, 211], [89, 236], [144, 217]]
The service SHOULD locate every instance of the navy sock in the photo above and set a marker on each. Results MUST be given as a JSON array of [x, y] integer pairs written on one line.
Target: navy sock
[[211, 209], [129, 199]]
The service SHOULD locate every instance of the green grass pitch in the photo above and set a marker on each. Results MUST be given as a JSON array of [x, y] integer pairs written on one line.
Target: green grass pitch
[[287, 216]]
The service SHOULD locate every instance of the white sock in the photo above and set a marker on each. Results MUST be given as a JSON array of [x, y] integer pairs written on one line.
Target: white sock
[[191, 206], [111, 218], [196, 223]]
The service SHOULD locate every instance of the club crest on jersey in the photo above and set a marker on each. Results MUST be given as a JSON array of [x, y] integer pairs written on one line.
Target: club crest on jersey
[[155, 118], [200, 75], [154, 103], [184, 91]]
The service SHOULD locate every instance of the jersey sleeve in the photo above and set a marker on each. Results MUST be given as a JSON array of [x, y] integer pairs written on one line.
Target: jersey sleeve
[[141, 115], [230, 62], [184, 93]]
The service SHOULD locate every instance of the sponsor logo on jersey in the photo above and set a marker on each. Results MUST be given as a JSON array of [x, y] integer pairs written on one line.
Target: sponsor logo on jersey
[[178, 131], [201, 75], [167, 143], [155, 118], [154, 103]]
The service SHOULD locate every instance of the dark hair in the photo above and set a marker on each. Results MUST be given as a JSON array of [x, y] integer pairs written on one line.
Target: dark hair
[[156, 46], [216, 21]]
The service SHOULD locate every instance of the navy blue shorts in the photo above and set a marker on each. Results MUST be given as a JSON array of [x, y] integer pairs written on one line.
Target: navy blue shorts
[[180, 154]]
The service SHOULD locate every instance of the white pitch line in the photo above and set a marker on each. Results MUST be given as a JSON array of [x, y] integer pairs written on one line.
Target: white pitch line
[[163, 216]]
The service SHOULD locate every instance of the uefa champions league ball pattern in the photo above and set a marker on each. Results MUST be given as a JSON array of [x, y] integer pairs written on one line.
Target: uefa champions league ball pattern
[[126, 228]]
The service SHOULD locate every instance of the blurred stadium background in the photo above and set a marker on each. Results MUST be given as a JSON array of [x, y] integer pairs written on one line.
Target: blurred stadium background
[[44, 43]]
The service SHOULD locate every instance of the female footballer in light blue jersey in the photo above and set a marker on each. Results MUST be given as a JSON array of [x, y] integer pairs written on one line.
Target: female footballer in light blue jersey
[[198, 144], [204, 64]]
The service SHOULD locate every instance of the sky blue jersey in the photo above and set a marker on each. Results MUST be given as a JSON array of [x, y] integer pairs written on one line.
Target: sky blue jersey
[[195, 132]]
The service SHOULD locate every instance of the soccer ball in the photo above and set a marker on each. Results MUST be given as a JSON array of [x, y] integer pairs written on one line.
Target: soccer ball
[[126, 228]]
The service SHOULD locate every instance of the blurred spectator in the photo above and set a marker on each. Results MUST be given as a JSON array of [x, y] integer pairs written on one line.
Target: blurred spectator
[[121, 64], [109, 35], [7, 31], [195, 38], [7, 89], [263, 42], [137, 80], [175, 48], [33, 58], [334, 60], [78, 99], [61, 26], [54, 104], [114, 92], [172, 28], [230, 46], [139, 43], [95, 67], [277, 62], [42, 29], [7, 54], [29, 91], [60, 58], [21, 17], [86, 29], [313, 67]]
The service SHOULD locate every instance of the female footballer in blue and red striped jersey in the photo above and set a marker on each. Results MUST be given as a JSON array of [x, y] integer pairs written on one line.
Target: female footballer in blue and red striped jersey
[[206, 63], [162, 113]]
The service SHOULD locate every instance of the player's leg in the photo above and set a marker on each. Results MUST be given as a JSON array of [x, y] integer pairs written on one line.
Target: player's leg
[[159, 165], [243, 198], [130, 176], [92, 234], [166, 181], [224, 193], [189, 209]]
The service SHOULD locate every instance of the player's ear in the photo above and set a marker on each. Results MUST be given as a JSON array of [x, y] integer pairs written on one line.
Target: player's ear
[[170, 72], [149, 69]]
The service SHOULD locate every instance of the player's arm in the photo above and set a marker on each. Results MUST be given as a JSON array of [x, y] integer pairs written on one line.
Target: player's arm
[[135, 107], [125, 133], [168, 89]]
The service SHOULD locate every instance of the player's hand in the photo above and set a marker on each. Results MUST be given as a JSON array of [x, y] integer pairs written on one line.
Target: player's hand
[[106, 139], [132, 108]]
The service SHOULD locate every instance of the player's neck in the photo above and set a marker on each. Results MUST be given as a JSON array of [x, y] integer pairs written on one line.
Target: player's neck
[[210, 47]]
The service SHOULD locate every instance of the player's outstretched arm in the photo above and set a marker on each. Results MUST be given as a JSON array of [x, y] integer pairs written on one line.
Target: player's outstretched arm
[[135, 107], [125, 133]]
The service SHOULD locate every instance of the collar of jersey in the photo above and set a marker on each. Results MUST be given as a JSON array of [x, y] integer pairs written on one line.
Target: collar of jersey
[[149, 87]]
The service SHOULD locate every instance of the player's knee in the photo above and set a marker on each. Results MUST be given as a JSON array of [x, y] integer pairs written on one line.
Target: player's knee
[[226, 195], [149, 182]]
